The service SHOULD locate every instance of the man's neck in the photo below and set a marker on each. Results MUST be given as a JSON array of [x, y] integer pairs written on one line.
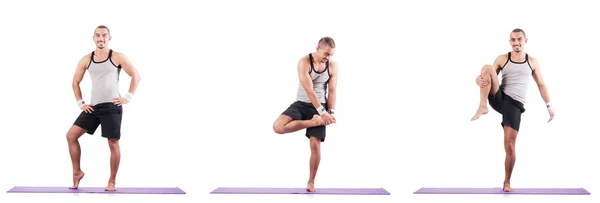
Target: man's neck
[[520, 54], [102, 52], [316, 59]]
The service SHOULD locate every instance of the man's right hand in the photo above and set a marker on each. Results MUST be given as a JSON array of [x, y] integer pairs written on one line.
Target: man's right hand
[[87, 108], [480, 82], [328, 118]]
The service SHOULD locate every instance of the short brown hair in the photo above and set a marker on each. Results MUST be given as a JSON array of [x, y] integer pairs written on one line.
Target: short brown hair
[[517, 30], [103, 27], [327, 41]]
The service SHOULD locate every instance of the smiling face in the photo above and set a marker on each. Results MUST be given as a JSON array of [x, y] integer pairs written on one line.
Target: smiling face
[[517, 40], [102, 37]]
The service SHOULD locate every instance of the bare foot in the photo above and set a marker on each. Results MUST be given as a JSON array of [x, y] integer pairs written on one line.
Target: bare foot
[[507, 188], [482, 110], [110, 187], [310, 187], [318, 121], [76, 179]]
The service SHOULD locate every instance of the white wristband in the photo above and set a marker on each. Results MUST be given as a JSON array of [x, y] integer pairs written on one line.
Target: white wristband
[[548, 105], [128, 96], [321, 110], [331, 111], [80, 103]]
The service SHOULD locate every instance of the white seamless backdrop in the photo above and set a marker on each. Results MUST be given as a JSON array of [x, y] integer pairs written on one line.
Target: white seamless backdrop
[[217, 74]]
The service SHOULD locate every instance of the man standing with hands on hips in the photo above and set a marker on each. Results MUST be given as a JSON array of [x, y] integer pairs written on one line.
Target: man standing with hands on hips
[[105, 108], [315, 101]]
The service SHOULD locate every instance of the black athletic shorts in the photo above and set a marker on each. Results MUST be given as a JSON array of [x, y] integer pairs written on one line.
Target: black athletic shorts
[[107, 115], [305, 111], [510, 109]]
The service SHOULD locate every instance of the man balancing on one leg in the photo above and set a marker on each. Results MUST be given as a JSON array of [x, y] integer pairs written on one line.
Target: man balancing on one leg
[[315, 103], [508, 97], [105, 108]]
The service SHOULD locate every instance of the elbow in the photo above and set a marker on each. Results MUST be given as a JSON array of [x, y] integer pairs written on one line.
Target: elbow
[[332, 91], [75, 84]]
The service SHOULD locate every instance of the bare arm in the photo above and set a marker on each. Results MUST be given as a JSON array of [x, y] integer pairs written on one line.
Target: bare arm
[[333, 70], [304, 76], [78, 77], [537, 76], [130, 69], [499, 62]]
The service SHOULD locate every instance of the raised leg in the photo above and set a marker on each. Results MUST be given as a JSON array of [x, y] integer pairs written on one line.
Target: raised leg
[[315, 159], [285, 124], [510, 138], [115, 159], [73, 136], [489, 84]]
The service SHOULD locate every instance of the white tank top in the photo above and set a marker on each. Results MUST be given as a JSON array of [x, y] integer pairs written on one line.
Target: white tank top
[[105, 78]]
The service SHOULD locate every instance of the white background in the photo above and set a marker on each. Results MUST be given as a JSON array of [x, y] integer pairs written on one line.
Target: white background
[[216, 76]]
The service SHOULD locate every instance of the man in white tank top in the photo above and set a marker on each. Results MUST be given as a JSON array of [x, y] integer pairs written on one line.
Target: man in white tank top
[[315, 102], [508, 96], [105, 108]]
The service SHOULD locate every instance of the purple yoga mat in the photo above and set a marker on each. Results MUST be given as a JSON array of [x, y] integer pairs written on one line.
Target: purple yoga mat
[[119, 190], [327, 191], [521, 191]]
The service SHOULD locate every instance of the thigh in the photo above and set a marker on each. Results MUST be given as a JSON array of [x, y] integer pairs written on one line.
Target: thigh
[[309, 111], [511, 115], [489, 71], [110, 121], [88, 122], [319, 132], [496, 101], [293, 112]]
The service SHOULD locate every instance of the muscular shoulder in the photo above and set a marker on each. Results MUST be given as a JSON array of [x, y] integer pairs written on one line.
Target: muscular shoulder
[[118, 58], [333, 66], [533, 62], [304, 63], [85, 60], [532, 59], [500, 60], [304, 60]]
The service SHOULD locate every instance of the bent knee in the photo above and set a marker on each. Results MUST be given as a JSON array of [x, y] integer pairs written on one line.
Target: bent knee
[[487, 69], [72, 136], [279, 129]]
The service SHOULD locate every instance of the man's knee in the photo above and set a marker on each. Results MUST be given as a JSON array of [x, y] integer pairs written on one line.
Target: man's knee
[[75, 133], [487, 67], [278, 128], [279, 124], [315, 144], [113, 143], [72, 137], [510, 138], [486, 71]]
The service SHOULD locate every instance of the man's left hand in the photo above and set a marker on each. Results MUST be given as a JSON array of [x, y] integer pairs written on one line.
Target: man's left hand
[[120, 101], [551, 112]]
